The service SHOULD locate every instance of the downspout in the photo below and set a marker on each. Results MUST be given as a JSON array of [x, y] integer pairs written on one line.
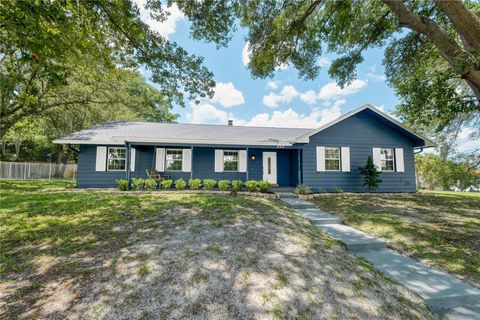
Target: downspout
[[127, 165], [418, 150], [72, 148]]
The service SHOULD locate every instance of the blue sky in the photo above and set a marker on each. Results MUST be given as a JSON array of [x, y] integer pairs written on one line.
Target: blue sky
[[281, 101]]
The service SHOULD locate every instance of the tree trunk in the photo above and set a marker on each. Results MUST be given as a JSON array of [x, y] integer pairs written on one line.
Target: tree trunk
[[464, 20], [4, 147], [17, 145], [59, 153]]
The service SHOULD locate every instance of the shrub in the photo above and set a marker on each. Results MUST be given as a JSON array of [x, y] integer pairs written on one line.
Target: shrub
[[194, 184], [137, 184], [150, 184], [371, 176], [264, 186], [302, 189], [251, 185], [224, 185], [321, 190], [209, 184], [122, 184], [166, 184], [180, 184], [237, 185], [337, 190]]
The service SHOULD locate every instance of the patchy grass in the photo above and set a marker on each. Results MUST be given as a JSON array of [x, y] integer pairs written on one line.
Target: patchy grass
[[90, 255], [438, 228]]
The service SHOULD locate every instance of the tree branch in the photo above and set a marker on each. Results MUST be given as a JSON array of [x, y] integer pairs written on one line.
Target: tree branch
[[464, 20], [460, 60]]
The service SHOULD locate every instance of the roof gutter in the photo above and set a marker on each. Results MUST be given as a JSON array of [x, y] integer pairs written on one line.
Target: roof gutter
[[176, 141]]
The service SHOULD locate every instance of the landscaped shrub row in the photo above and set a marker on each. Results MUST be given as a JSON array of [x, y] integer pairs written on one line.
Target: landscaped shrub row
[[195, 184], [303, 189]]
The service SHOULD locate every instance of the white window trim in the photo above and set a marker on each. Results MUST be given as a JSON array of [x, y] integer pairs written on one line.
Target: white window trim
[[393, 160], [166, 156], [339, 159], [238, 160], [107, 158]]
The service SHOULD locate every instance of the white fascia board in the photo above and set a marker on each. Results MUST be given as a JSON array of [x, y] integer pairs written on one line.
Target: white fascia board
[[213, 142], [175, 141]]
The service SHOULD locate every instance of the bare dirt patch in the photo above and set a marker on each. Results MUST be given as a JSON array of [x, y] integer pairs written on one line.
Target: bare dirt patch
[[203, 257]]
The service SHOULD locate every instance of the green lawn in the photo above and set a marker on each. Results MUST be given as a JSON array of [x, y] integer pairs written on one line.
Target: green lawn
[[91, 255], [439, 228]]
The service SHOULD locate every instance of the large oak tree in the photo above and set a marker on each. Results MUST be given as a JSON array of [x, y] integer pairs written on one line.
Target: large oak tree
[[43, 43], [432, 55]]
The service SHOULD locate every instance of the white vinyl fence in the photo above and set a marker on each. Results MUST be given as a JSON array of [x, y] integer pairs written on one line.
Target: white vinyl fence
[[37, 170]]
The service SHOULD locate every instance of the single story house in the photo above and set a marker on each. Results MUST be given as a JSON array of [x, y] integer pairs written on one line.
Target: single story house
[[324, 158]]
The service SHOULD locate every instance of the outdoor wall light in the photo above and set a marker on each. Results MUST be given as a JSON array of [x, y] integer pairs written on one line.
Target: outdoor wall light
[[252, 157]]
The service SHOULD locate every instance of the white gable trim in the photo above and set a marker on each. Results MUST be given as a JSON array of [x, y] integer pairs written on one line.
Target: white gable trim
[[306, 137]]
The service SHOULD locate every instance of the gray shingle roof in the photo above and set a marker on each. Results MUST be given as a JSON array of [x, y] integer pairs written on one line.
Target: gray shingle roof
[[119, 132], [114, 133]]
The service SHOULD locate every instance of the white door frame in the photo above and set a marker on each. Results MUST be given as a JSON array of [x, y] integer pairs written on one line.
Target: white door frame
[[272, 175]]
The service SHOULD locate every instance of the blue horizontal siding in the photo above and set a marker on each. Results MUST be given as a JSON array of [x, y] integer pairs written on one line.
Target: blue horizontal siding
[[203, 166], [361, 133]]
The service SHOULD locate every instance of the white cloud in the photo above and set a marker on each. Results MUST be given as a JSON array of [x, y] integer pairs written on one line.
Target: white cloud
[[310, 97], [246, 52], [338, 103], [165, 28], [227, 95], [286, 95], [323, 61], [291, 119], [380, 107], [205, 113], [465, 142], [332, 90], [330, 94], [372, 74], [273, 84]]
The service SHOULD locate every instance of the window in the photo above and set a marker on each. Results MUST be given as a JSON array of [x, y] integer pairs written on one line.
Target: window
[[116, 160], [332, 159], [387, 158], [230, 160], [173, 159]]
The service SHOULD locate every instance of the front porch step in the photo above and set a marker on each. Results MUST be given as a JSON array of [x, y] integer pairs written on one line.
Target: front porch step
[[443, 294], [353, 239], [296, 203], [285, 195], [318, 217]]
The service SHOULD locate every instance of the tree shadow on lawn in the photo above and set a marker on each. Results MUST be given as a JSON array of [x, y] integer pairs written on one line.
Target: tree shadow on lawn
[[437, 229], [192, 256]]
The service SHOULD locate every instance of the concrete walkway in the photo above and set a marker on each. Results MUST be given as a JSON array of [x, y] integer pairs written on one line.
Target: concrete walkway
[[445, 295]]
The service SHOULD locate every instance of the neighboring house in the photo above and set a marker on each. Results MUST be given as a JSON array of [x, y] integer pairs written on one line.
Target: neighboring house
[[323, 158]]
